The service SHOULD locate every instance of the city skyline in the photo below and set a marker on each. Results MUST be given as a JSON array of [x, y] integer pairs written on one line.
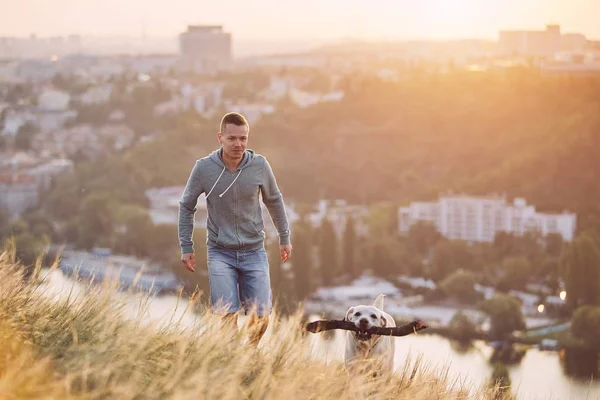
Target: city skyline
[[309, 20]]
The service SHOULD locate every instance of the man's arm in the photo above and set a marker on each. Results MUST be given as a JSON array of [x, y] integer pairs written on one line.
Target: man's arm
[[273, 199], [187, 210]]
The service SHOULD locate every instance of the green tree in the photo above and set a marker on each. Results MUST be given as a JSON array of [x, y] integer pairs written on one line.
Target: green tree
[[349, 249], [580, 264], [500, 381], [134, 230], [461, 327], [515, 272], [328, 253], [302, 266], [28, 248], [554, 244], [461, 286], [25, 135], [449, 256], [275, 267], [505, 313], [96, 212], [422, 236], [383, 258], [586, 325]]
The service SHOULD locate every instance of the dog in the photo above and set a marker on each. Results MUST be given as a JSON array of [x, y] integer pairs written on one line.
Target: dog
[[364, 350]]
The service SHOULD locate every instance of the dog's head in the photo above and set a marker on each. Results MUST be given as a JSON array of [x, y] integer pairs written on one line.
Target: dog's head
[[365, 317]]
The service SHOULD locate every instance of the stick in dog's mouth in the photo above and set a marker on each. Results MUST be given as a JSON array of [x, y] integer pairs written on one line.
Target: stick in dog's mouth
[[363, 335], [327, 325]]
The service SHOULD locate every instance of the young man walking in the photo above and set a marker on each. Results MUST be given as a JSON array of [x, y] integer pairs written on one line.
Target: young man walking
[[233, 177]]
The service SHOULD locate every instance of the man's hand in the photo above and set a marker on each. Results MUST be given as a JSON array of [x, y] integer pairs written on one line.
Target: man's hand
[[189, 261], [286, 251]]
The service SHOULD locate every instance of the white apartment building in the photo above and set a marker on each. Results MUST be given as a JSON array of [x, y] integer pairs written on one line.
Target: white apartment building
[[478, 219]]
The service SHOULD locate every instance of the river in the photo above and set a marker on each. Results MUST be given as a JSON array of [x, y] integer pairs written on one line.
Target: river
[[539, 375]]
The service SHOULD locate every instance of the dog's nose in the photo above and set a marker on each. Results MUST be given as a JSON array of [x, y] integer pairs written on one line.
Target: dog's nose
[[363, 322]]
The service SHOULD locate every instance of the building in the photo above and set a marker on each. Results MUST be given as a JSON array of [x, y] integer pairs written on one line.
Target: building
[[18, 193], [205, 48], [164, 206], [572, 66], [478, 219], [540, 43], [45, 173], [53, 100]]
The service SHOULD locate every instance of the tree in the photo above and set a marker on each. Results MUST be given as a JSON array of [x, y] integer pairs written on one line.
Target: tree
[[381, 260], [4, 223], [449, 256], [276, 271], [586, 325], [422, 236], [515, 272], [554, 244], [328, 257], [134, 230], [28, 248], [302, 266], [349, 249], [461, 327], [460, 285], [505, 313], [580, 264], [97, 219], [500, 380], [25, 135], [549, 271]]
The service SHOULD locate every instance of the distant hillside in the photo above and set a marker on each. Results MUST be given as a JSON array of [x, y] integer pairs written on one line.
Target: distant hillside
[[507, 132]]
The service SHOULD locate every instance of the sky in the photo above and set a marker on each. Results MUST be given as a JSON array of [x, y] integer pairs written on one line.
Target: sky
[[298, 19]]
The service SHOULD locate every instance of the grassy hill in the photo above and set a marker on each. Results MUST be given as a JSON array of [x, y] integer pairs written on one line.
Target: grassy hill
[[84, 346]]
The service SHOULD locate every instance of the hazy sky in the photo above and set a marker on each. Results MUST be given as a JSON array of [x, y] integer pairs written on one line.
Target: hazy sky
[[298, 19]]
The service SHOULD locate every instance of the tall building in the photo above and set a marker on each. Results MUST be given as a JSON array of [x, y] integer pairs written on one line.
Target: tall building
[[478, 219], [205, 48], [540, 43]]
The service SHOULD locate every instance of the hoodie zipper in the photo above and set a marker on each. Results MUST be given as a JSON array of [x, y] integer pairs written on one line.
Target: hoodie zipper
[[235, 214]]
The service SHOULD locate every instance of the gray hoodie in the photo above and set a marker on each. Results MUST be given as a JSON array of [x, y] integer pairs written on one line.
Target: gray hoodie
[[234, 213]]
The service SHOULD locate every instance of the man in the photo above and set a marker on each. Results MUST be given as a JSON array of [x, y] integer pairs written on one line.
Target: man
[[232, 178]]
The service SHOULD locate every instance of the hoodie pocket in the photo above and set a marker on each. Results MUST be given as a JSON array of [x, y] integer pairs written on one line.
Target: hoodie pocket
[[249, 231], [226, 237]]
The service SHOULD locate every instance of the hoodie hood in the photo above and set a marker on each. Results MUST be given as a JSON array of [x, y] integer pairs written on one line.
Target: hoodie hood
[[215, 156], [247, 159]]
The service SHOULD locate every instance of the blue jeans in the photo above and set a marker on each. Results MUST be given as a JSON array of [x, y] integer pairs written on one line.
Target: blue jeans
[[239, 279]]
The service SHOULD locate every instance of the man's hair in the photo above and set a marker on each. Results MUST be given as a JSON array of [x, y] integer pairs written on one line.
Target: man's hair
[[233, 118]]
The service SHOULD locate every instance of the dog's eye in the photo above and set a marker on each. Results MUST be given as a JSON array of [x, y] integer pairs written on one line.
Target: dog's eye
[[357, 314], [373, 316]]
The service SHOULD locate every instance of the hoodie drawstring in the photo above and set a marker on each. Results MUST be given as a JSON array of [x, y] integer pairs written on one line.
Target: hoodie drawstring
[[211, 189], [238, 175], [217, 181]]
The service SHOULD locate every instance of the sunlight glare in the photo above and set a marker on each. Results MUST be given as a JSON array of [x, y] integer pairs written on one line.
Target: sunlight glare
[[454, 11]]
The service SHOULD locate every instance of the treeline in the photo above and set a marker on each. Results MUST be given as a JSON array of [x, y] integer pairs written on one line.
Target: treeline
[[322, 258]]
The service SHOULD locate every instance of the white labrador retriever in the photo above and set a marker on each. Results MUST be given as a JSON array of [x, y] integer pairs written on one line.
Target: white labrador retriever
[[370, 351]]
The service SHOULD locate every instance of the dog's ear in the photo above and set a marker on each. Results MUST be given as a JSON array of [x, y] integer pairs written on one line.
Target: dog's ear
[[383, 322], [379, 302], [350, 311]]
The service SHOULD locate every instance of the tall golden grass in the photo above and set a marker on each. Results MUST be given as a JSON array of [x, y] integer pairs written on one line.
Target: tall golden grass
[[85, 347]]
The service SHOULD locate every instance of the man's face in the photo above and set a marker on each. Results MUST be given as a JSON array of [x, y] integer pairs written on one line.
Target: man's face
[[234, 140]]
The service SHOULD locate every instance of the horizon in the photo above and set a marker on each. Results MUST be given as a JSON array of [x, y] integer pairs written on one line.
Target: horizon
[[430, 20]]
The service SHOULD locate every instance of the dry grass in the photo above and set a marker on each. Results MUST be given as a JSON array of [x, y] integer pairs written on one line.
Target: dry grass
[[85, 347]]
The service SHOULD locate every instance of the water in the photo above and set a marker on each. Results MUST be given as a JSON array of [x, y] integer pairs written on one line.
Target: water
[[539, 375]]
